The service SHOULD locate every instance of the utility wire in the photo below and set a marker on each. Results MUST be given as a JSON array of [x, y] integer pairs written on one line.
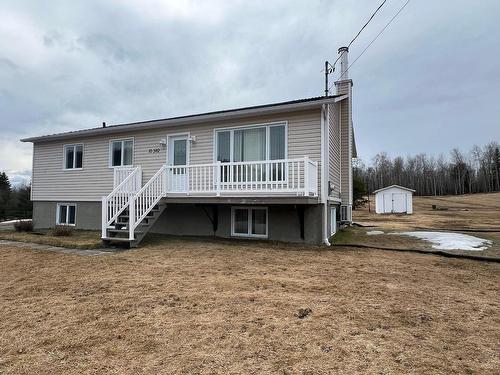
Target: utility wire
[[359, 32], [376, 37], [366, 24]]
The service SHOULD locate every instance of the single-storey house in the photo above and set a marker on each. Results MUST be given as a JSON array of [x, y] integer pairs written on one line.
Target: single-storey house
[[280, 171], [394, 199]]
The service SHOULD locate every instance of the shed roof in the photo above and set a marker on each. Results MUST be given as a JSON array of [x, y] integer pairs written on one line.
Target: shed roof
[[394, 186]]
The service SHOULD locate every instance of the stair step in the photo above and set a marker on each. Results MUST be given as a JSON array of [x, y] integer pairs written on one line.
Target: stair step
[[120, 239], [122, 231], [127, 217]]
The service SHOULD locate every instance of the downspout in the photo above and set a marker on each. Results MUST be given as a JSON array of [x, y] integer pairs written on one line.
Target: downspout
[[324, 170]]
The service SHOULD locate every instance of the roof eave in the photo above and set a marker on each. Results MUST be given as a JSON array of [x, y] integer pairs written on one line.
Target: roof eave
[[193, 119], [393, 186]]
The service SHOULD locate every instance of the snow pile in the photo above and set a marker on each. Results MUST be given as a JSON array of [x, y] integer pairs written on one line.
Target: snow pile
[[374, 232], [451, 241], [10, 222]]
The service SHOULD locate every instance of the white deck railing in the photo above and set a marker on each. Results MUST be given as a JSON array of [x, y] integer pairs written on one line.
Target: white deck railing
[[120, 174], [270, 176], [117, 201], [288, 176]]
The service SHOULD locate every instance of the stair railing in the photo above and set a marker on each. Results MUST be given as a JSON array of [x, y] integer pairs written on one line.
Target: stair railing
[[118, 200], [146, 198]]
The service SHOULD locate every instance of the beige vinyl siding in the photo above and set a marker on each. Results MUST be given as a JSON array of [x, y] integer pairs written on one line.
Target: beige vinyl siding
[[346, 151], [51, 182], [334, 149]]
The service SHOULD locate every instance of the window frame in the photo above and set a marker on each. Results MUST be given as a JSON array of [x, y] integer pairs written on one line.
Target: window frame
[[110, 158], [333, 220], [73, 145], [249, 233], [348, 213], [58, 218], [231, 129]]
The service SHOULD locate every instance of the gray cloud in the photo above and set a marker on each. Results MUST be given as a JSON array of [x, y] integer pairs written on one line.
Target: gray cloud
[[428, 84]]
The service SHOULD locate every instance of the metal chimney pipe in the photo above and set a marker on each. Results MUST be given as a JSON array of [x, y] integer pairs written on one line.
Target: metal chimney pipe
[[344, 63]]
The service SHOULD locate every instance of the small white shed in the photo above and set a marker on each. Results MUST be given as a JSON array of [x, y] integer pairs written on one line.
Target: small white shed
[[394, 199]]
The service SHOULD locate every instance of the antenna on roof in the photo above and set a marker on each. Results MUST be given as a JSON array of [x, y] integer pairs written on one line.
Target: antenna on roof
[[103, 124], [329, 69]]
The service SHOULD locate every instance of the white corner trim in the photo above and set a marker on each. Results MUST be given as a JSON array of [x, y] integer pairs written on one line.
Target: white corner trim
[[323, 185]]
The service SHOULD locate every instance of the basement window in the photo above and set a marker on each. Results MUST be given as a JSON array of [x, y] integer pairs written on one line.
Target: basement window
[[73, 156], [66, 214], [249, 222]]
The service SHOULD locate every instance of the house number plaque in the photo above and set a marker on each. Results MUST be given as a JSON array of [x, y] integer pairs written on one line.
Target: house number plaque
[[154, 150]]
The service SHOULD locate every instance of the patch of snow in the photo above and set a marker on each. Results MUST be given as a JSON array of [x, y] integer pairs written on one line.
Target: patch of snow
[[451, 241], [374, 232], [9, 222]]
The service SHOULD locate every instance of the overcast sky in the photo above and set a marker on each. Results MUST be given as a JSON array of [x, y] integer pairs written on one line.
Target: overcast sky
[[428, 84]]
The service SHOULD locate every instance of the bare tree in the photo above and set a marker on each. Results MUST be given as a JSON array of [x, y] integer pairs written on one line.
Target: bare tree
[[474, 172]]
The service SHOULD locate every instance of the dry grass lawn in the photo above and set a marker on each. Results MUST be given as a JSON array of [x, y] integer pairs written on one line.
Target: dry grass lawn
[[80, 239], [208, 307], [473, 214]]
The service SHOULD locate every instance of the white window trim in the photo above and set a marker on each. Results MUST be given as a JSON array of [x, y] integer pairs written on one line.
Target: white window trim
[[74, 158], [249, 229], [333, 220], [58, 219], [110, 157], [231, 129], [348, 213]]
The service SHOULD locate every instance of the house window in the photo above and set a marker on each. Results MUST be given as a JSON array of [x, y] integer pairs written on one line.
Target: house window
[[121, 152], [345, 213], [66, 214], [257, 143], [249, 222], [333, 220], [73, 156]]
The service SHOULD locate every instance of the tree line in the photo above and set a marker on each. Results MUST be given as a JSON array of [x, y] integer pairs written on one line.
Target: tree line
[[15, 202], [477, 171]]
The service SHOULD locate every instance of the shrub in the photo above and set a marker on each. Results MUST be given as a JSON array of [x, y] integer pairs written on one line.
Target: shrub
[[23, 226], [62, 231]]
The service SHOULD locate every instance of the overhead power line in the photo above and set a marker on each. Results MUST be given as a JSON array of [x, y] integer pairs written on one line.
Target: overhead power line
[[376, 37], [367, 22], [360, 30]]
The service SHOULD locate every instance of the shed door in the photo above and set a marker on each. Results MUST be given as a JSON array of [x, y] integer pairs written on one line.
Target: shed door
[[398, 202], [387, 202]]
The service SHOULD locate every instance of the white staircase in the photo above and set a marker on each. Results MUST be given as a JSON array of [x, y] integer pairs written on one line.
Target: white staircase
[[130, 210]]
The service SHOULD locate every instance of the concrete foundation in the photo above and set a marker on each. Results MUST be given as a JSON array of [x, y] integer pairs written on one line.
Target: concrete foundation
[[285, 221], [88, 215]]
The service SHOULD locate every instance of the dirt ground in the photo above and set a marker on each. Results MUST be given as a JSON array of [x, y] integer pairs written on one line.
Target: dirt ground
[[207, 307], [473, 214], [469, 211]]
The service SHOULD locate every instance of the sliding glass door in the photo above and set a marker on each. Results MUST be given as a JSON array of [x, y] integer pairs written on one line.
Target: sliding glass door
[[252, 144]]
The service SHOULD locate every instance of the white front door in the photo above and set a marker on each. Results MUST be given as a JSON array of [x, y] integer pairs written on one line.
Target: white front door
[[178, 159]]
